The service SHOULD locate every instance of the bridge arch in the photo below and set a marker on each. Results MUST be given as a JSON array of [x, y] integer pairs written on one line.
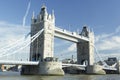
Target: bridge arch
[[84, 62]]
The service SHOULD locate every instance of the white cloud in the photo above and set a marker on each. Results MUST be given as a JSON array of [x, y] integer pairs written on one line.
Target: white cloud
[[117, 29], [60, 43], [72, 48], [68, 50], [109, 43], [26, 13], [10, 33], [65, 50]]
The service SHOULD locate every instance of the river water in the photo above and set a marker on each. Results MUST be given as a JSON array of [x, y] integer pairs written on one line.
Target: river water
[[17, 76]]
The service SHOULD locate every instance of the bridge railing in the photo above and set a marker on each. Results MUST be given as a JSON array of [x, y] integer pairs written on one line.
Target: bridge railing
[[63, 30]]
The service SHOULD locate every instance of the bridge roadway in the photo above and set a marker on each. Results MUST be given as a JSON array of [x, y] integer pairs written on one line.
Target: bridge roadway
[[110, 68], [10, 62], [77, 66], [70, 36], [81, 67]]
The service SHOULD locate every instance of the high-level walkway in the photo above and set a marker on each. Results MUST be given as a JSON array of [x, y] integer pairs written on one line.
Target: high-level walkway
[[70, 36]]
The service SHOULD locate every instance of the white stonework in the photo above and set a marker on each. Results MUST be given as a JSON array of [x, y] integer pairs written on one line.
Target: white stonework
[[42, 47], [95, 69]]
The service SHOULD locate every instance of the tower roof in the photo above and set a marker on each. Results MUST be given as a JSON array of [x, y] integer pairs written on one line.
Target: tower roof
[[43, 9], [43, 6]]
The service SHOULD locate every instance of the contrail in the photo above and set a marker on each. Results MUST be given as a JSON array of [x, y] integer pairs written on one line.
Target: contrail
[[28, 8]]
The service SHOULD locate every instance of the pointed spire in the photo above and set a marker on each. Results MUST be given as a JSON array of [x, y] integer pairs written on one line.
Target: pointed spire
[[92, 31], [33, 15], [53, 16], [33, 18], [44, 8], [49, 16], [43, 12], [52, 12], [43, 5]]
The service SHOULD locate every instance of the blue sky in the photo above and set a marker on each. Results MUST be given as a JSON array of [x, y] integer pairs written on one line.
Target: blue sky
[[96, 14], [103, 16]]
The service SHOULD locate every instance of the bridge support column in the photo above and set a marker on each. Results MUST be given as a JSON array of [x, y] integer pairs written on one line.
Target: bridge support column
[[95, 69], [118, 67], [1, 68], [44, 68], [29, 69], [85, 50], [85, 53]]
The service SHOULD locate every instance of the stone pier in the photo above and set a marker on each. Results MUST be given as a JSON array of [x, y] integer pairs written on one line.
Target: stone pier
[[118, 67], [95, 69]]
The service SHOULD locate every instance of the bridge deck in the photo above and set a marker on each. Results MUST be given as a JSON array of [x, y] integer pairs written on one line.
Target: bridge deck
[[77, 66], [73, 65], [109, 68], [18, 62]]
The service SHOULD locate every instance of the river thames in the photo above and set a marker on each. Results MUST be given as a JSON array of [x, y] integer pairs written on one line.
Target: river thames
[[17, 76]]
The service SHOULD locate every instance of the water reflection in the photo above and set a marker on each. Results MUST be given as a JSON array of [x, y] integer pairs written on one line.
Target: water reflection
[[17, 76]]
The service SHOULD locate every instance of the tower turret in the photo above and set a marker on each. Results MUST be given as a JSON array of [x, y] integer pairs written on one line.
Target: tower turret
[[43, 13], [33, 20], [53, 16]]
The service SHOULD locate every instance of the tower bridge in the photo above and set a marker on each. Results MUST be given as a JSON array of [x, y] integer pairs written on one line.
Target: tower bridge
[[42, 60]]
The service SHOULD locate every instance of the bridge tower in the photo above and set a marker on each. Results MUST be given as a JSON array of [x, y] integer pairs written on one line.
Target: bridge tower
[[85, 50], [42, 47], [85, 53]]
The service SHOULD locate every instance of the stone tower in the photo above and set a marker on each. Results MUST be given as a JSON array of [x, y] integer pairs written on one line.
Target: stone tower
[[85, 50], [42, 47]]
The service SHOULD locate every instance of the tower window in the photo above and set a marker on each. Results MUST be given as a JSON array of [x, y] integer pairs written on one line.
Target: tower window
[[42, 18]]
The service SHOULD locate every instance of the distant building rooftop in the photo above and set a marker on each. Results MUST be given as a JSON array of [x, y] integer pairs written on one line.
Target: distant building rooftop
[[111, 60]]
